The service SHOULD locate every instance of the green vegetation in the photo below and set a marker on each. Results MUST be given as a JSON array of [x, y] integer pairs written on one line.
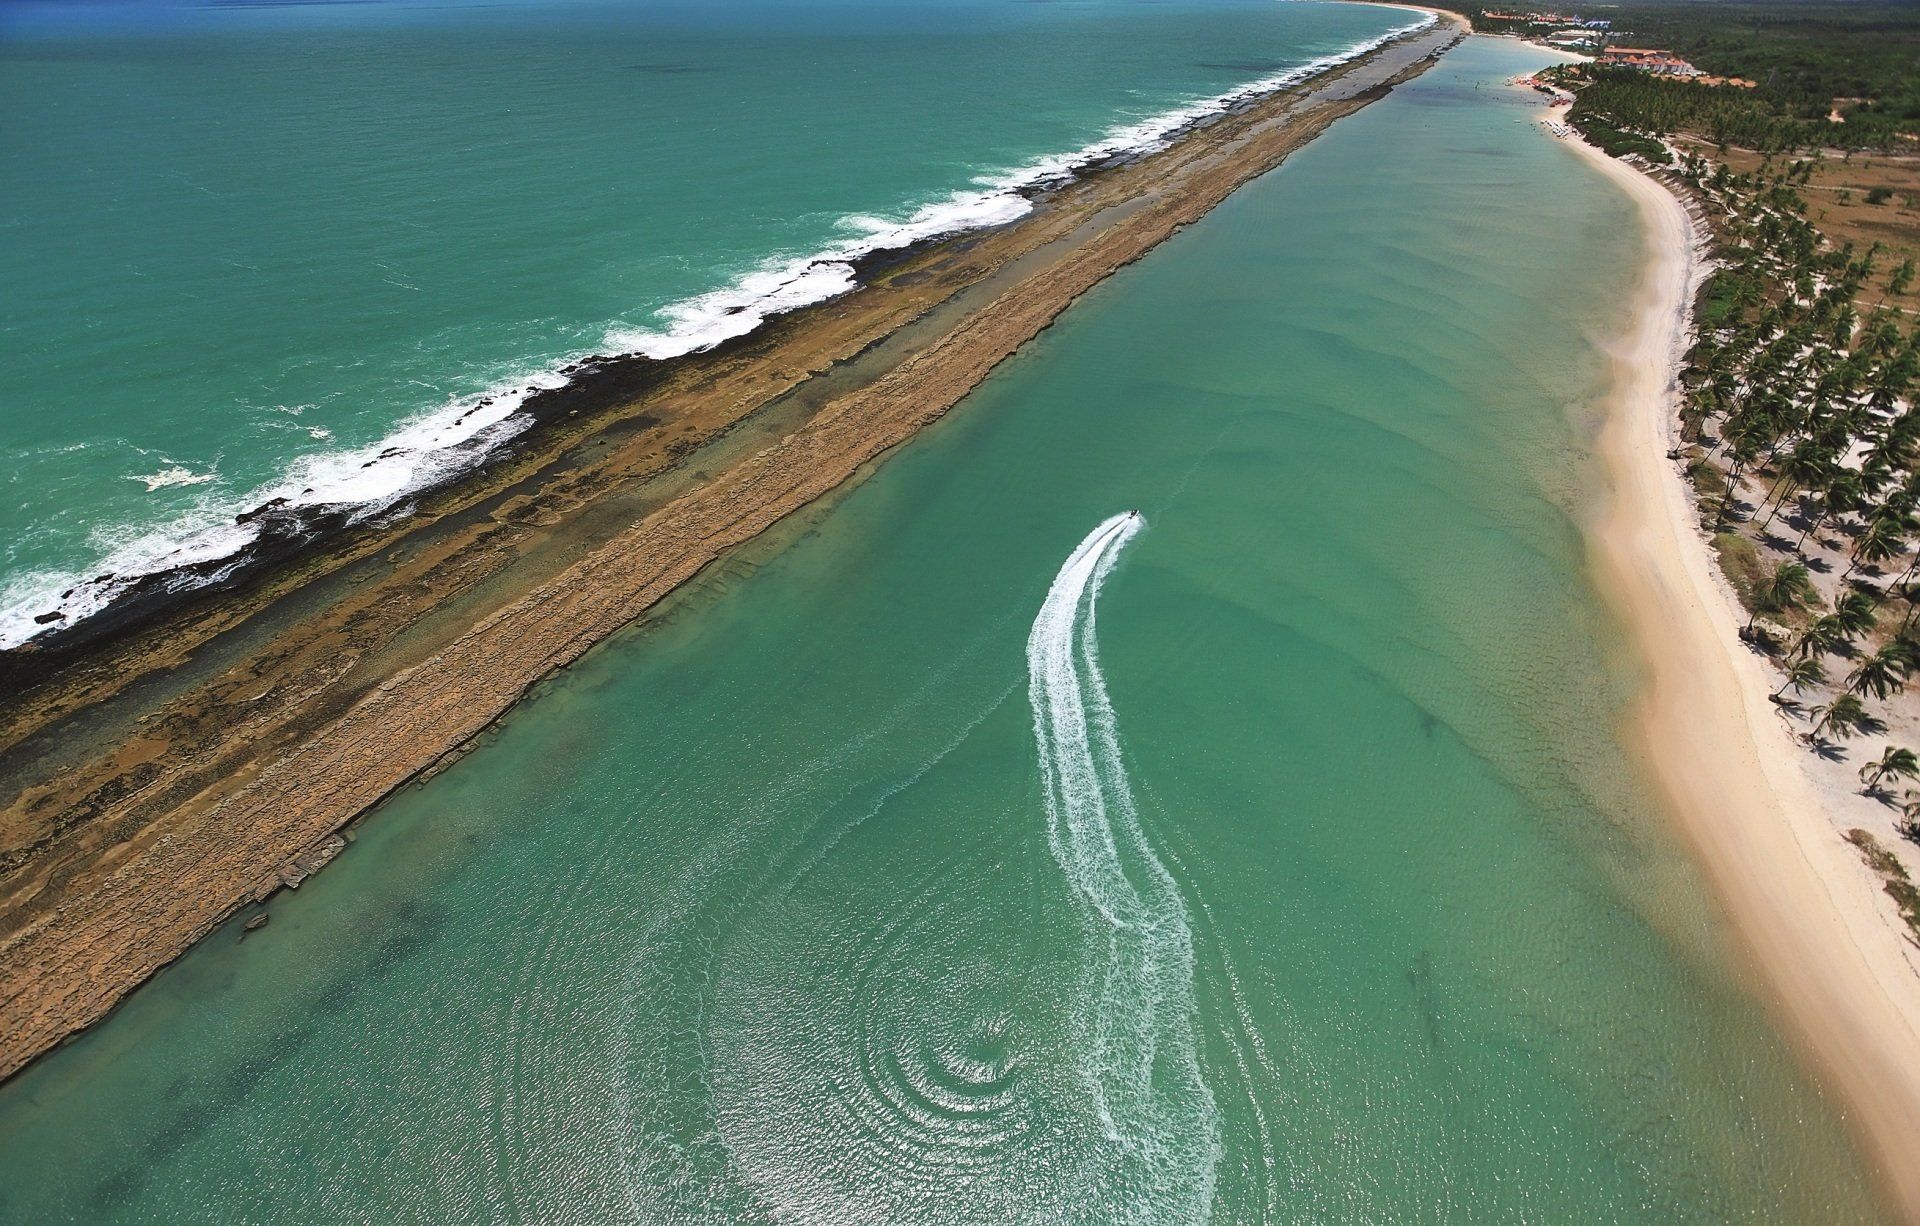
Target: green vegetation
[[1802, 675], [1799, 421], [1739, 560], [1727, 116], [1718, 300], [1803, 56], [1805, 447], [1893, 874], [1895, 763], [1807, 60], [1787, 590], [1615, 142]]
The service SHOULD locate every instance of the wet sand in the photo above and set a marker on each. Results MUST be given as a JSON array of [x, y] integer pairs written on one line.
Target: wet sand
[[169, 772], [1823, 943]]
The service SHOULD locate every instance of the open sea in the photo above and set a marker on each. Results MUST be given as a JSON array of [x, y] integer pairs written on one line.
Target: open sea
[[1181, 785], [258, 251]]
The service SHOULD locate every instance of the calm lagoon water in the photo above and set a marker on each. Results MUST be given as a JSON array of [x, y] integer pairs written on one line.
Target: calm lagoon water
[[877, 881]]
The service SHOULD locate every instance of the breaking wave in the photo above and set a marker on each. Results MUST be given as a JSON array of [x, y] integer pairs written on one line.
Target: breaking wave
[[441, 444]]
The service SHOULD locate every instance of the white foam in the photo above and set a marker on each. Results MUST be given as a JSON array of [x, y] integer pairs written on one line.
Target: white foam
[[1133, 1023], [422, 453], [175, 475], [789, 283], [448, 440]]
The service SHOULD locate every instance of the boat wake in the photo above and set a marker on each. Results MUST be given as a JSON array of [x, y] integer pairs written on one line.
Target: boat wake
[[1133, 1025]]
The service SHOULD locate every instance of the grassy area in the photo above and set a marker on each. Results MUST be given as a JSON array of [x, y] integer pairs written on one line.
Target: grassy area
[[1719, 297], [1708, 484], [1740, 560], [1862, 200], [1893, 875]]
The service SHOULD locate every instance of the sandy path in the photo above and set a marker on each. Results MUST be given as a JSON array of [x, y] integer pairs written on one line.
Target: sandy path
[[1811, 915]]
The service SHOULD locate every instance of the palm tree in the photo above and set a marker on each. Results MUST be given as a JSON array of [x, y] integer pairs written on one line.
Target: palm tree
[[1822, 636], [1909, 591], [1805, 468], [1746, 448], [1843, 493], [1888, 382], [1913, 562], [1802, 674], [1908, 827], [1902, 277], [1894, 447], [1855, 613], [1788, 588], [1881, 540], [1843, 717], [1880, 337], [1895, 763], [1906, 646], [1882, 673]]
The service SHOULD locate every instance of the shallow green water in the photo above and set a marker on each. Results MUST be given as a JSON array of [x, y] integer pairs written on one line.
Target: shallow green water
[[795, 904]]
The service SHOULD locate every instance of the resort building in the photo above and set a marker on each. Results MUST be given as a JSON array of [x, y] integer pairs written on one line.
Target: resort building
[[1648, 59], [1572, 38], [1548, 19]]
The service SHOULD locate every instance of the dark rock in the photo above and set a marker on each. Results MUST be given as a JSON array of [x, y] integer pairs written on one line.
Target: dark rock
[[272, 504]]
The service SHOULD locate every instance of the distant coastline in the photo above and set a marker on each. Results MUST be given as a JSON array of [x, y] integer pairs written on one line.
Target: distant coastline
[[196, 755]]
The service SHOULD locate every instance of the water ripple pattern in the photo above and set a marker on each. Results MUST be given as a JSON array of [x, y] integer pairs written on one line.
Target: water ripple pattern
[[1133, 1023]]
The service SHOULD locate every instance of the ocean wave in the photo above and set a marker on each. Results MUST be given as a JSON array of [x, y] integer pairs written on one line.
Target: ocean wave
[[995, 200], [175, 475], [447, 441]]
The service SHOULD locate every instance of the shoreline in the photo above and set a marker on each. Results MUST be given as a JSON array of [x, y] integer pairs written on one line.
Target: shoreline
[[424, 454], [203, 765], [1808, 913]]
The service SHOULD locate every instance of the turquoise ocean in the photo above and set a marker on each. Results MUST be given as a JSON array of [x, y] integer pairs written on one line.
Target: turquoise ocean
[[972, 847], [258, 251]]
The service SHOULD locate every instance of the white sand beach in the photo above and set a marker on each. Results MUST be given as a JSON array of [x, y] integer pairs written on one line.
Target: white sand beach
[[1822, 935]]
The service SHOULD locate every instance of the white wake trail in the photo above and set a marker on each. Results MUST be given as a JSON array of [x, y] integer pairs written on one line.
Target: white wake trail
[[1134, 1024]]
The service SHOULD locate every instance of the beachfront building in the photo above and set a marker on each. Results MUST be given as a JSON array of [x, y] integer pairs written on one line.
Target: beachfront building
[[1572, 39], [1546, 19], [1648, 59]]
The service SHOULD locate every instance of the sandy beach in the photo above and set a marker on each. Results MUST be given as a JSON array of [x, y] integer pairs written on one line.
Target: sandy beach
[[1823, 940], [162, 779]]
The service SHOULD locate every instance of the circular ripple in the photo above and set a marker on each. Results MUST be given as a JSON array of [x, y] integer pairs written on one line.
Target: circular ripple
[[901, 1067]]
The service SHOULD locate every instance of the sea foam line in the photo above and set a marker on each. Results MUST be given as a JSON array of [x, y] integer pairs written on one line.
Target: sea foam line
[[1133, 1021], [442, 443], [705, 321]]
